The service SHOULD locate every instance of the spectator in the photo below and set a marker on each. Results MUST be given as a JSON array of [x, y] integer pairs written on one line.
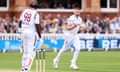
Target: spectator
[[96, 20], [68, 4], [113, 26], [47, 22], [15, 21], [96, 29], [118, 25], [15, 24], [54, 4], [60, 29], [106, 30], [53, 28], [88, 28], [89, 24], [104, 24], [88, 18], [50, 16], [44, 29], [8, 25], [63, 20], [58, 19], [82, 28], [57, 22], [60, 6], [2, 30], [44, 5], [2, 21]]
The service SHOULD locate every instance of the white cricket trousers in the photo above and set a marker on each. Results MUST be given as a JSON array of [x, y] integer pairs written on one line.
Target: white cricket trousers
[[68, 41], [29, 40]]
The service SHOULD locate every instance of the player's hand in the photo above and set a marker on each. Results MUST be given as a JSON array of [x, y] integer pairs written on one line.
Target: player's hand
[[19, 30], [39, 35], [41, 42], [75, 25]]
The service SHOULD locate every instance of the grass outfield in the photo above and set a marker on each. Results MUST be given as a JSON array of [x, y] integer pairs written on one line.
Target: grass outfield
[[88, 62]]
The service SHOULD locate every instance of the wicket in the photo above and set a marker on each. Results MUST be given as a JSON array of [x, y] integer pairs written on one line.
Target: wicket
[[40, 60]]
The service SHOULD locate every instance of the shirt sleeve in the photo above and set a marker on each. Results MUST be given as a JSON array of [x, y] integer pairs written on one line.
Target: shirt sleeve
[[81, 21], [37, 19], [70, 21]]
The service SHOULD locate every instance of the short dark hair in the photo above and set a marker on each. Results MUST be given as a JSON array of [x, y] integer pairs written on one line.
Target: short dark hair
[[33, 6]]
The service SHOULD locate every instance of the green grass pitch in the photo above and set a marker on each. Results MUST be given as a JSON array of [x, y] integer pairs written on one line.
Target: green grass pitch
[[99, 61]]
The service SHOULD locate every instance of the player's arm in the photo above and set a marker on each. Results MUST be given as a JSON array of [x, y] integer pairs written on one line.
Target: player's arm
[[20, 20], [70, 25], [20, 23], [37, 25]]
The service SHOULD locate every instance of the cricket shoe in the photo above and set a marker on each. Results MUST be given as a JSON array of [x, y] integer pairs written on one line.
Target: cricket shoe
[[24, 70], [74, 67], [55, 63]]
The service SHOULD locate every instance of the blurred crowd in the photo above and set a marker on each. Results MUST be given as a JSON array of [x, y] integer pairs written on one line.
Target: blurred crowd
[[8, 24], [57, 23], [54, 4]]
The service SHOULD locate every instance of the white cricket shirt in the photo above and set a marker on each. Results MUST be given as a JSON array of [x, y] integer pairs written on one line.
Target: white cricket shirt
[[29, 18], [74, 20]]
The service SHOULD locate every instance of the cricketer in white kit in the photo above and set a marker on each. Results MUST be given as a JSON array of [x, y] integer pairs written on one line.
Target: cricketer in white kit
[[71, 37], [30, 26]]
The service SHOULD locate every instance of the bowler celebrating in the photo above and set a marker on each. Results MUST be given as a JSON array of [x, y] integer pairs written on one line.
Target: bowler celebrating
[[71, 37]]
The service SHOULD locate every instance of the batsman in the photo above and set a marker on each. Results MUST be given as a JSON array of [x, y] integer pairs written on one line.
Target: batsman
[[29, 26]]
